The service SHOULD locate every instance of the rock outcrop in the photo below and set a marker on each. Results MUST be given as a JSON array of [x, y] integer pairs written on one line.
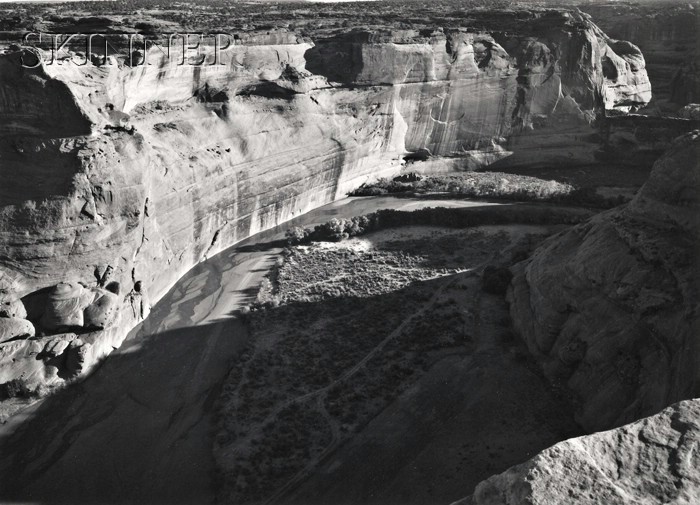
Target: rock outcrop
[[610, 307], [150, 168], [12, 328], [75, 326], [654, 460], [667, 34]]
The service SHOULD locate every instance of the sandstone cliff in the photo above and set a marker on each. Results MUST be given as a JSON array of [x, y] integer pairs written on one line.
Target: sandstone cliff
[[654, 460], [610, 307], [142, 171], [667, 34]]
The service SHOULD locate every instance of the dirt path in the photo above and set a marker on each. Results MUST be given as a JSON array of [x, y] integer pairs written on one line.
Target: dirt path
[[139, 429]]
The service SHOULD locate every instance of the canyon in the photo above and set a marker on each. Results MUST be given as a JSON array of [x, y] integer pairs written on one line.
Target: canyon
[[127, 180], [144, 171]]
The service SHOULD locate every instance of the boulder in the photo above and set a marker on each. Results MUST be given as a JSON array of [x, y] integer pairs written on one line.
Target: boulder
[[102, 311], [10, 307], [654, 460], [77, 358], [12, 328], [65, 305], [55, 346]]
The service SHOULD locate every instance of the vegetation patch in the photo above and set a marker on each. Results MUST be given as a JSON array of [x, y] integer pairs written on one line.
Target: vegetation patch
[[16, 388], [489, 185], [339, 331], [336, 230]]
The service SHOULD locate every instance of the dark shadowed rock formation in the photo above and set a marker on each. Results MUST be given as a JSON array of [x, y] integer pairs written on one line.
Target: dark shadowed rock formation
[[148, 169], [654, 460], [638, 139], [610, 307]]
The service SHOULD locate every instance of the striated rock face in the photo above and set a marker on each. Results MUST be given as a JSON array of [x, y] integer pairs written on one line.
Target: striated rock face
[[148, 169], [610, 307], [654, 460]]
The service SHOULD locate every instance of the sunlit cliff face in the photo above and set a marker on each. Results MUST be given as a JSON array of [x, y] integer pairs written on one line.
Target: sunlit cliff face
[[151, 168]]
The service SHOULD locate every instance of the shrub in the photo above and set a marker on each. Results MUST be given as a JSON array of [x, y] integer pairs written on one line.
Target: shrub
[[491, 185], [297, 235], [333, 230], [14, 389], [336, 230]]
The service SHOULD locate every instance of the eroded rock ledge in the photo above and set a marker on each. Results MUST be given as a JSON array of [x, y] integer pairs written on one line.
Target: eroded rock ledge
[[149, 169]]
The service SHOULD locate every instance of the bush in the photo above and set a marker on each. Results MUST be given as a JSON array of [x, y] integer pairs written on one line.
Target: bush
[[369, 191], [16, 388], [333, 230], [472, 185], [336, 230], [297, 235], [490, 185]]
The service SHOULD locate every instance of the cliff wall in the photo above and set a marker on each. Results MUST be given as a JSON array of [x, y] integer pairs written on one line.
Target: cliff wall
[[122, 177], [667, 34], [610, 307]]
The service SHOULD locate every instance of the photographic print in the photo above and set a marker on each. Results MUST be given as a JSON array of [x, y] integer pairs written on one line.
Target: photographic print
[[388, 252]]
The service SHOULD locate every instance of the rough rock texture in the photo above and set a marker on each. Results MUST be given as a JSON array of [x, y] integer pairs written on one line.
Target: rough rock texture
[[64, 307], [13, 327], [12, 308], [610, 307], [639, 140], [667, 34], [146, 170], [654, 460]]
